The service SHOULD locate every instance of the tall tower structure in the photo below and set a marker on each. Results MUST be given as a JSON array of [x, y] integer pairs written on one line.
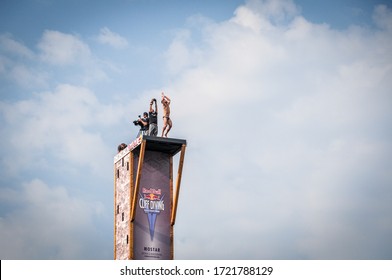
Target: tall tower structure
[[145, 200]]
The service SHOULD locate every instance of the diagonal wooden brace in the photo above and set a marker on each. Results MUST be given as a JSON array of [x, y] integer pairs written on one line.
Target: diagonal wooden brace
[[178, 183]]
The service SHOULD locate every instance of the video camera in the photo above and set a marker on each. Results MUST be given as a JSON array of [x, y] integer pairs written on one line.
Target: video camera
[[137, 122]]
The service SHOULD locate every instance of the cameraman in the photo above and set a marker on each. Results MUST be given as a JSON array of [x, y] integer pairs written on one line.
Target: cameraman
[[153, 118], [143, 123]]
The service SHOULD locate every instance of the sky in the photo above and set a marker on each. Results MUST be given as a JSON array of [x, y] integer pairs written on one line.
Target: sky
[[285, 106]]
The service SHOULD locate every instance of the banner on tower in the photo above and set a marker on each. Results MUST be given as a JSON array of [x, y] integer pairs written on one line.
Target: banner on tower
[[152, 230]]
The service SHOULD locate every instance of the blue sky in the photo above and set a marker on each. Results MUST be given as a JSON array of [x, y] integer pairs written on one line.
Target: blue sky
[[286, 107]]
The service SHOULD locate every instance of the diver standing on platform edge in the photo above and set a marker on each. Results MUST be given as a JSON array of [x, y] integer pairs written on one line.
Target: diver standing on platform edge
[[167, 123]]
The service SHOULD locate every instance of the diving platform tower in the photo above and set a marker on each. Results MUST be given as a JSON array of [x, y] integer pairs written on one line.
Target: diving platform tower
[[145, 200]]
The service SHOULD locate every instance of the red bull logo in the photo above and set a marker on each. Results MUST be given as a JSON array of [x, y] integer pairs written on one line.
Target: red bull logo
[[152, 202]]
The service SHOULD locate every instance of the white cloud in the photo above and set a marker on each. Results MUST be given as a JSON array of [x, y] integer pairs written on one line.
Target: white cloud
[[60, 123], [8, 44], [31, 70], [178, 55], [26, 76], [62, 49], [383, 17], [288, 150], [48, 223], [106, 36], [17, 64], [258, 15]]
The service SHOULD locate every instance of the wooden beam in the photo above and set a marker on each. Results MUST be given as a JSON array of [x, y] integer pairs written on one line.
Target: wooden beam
[[131, 187], [171, 207], [178, 183]]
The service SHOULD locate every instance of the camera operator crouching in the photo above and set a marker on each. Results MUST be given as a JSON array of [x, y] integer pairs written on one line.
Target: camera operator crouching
[[143, 122]]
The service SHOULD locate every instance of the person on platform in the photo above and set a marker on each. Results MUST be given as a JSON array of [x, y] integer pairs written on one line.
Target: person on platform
[[143, 122], [153, 118], [121, 147], [167, 123]]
